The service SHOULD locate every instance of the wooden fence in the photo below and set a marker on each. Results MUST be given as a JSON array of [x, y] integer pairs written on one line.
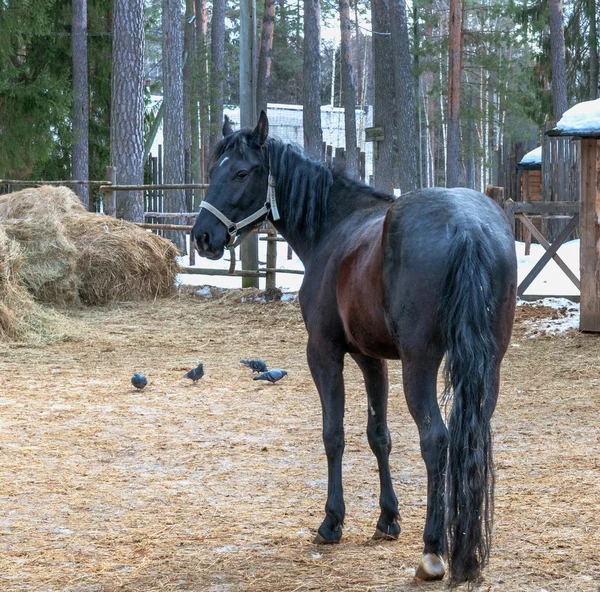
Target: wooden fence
[[559, 177]]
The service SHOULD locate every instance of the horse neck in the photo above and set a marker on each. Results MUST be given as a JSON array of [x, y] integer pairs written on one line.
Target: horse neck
[[302, 189]]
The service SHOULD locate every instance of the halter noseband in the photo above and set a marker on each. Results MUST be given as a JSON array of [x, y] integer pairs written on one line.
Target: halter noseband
[[270, 207]]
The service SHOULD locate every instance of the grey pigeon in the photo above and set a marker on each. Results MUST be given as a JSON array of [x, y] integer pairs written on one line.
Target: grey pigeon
[[256, 365], [196, 374], [138, 381], [272, 375]]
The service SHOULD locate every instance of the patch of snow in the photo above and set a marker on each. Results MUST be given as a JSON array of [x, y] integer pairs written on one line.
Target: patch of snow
[[552, 279], [583, 118], [225, 549], [285, 281], [566, 318], [533, 157], [204, 291]]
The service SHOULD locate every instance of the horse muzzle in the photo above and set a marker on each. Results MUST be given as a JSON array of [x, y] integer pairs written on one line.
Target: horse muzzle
[[206, 247]]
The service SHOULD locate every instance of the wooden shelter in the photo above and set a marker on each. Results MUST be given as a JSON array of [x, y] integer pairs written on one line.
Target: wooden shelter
[[589, 215]]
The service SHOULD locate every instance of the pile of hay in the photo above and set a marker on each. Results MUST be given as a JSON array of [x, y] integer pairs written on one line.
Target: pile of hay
[[50, 258], [68, 255], [40, 201], [119, 261], [20, 316]]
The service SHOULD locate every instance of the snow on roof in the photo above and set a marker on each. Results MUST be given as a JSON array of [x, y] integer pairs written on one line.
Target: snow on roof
[[583, 118], [533, 157]]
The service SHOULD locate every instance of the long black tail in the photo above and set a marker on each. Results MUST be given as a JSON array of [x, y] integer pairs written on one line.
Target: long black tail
[[467, 324]]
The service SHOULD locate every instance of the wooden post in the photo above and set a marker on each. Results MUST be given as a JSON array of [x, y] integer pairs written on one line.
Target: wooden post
[[248, 114], [110, 197], [271, 259], [590, 237], [509, 210]]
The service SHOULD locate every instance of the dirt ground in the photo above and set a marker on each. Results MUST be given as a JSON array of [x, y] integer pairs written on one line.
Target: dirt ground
[[220, 486]]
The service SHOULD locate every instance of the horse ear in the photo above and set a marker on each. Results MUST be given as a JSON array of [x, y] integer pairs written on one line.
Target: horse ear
[[227, 129], [261, 131]]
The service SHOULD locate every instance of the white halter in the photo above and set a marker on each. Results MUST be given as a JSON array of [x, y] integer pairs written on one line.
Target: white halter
[[270, 207]]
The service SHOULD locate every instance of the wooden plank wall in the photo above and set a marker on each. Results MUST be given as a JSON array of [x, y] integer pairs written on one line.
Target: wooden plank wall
[[560, 175]]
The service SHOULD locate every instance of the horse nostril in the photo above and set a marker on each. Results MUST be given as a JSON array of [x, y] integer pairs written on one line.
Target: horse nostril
[[204, 242]]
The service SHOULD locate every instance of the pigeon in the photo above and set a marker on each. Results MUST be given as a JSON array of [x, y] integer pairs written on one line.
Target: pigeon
[[272, 375], [196, 374], [138, 381], [256, 365]]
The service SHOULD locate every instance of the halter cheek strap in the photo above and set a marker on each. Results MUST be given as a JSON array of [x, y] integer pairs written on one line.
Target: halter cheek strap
[[270, 207]]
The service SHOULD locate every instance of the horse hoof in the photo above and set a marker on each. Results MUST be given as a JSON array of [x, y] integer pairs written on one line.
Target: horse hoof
[[321, 540], [431, 567], [382, 536]]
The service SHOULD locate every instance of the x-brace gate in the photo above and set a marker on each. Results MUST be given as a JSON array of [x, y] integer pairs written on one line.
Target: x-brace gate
[[519, 211]]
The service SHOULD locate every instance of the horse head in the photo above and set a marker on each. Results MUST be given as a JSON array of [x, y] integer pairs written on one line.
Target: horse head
[[237, 198]]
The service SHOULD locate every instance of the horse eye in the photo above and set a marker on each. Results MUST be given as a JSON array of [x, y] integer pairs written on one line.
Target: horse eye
[[242, 174]]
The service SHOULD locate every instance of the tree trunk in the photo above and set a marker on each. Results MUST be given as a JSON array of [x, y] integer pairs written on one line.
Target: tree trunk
[[455, 39], [383, 107], [217, 69], [593, 43], [202, 78], [189, 103], [81, 108], [127, 105], [311, 113], [406, 125], [348, 89], [559, 67], [265, 58], [172, 52]]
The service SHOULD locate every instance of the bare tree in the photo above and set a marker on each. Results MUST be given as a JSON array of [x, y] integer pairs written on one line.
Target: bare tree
[[217, 68], [559, 65], [127, 105], [383, 105], [348, 88], [172, 52], [406, 125], [311, 113], [81, 107], [593, 44], [201, 76], [265, 57], [455, 49]]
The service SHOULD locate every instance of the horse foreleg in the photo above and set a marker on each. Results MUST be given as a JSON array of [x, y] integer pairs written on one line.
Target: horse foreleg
[[326, 362], [376, 382], [420, 376]]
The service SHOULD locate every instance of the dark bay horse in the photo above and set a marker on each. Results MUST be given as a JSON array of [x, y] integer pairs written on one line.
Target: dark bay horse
[[412, 279]]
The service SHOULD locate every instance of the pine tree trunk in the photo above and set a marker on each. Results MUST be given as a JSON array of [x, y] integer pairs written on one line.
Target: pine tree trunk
[[406, 126], [172, 52], [559, 67], [311, 113], [265, 57], [217, 68], [593, 43], [202, 78], [127, 105], [81, 108], [455, 38], [383, 107], [189, 104], [348, 89]]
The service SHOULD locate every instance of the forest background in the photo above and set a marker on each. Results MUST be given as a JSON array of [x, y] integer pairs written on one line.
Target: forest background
[[450, 80]]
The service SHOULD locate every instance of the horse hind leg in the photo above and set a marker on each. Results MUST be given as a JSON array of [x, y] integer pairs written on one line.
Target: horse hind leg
[[376, 382], [420, 378]]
